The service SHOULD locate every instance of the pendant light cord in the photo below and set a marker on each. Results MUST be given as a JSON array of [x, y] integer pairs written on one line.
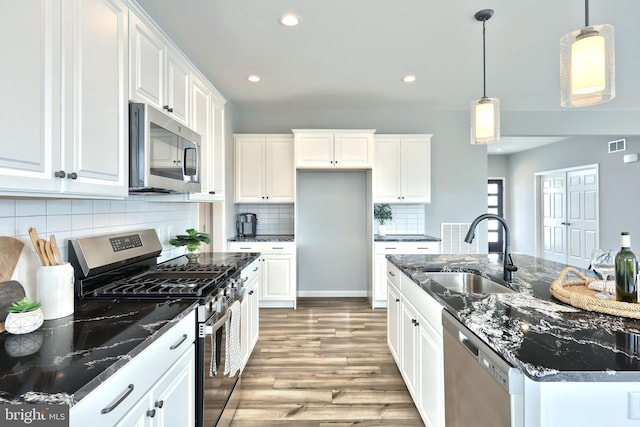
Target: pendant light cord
[[484, 62], [586, 13]]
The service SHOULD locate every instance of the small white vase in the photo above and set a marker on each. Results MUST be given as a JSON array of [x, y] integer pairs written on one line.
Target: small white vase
[[23, 323], [382, 230]]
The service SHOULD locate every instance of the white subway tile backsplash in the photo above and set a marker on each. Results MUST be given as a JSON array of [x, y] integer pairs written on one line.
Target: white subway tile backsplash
[[58, 207], [406, 219], [8, 226], [272, 218], [81, 207], [101, 206], [7, 208], [56, 223], [31, 207]]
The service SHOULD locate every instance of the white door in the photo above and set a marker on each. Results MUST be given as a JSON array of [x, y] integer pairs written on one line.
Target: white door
[[582, 215], [554, 246], [569, 215]]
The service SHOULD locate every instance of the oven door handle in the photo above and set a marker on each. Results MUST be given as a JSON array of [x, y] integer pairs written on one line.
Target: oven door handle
[[209, 329]]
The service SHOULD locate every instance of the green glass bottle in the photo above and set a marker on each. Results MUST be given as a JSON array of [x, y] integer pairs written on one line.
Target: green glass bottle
[[626, 271]]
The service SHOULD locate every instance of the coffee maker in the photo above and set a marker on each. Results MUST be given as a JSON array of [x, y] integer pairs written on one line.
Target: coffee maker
[[246, 225]]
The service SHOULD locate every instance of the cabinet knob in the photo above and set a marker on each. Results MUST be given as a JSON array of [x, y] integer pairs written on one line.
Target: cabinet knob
[[60, 174], [251, 292], [151, 413], [212, 192], [166, 107], [72, 175], [397, 299], [159, 404]]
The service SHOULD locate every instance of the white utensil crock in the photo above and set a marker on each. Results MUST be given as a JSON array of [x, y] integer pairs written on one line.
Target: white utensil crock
[[55, 290]]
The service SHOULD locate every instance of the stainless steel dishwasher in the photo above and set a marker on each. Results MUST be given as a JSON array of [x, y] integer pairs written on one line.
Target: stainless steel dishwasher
[[481, 389]]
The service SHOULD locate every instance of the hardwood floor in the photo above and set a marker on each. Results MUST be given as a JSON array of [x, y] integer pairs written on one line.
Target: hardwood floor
[[325, 364]]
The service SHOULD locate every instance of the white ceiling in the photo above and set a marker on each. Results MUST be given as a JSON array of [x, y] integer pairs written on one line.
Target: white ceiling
[[355, 52]]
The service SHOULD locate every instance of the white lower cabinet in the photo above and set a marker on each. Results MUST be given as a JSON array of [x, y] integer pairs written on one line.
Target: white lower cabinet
[[278, 271], [250, 311], [381, 250], [155, 388], [171, 401], [414, 336]]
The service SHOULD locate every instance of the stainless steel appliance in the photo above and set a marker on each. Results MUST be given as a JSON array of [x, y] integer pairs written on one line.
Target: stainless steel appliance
[[247, 224], [164, 155], [124, 266], [481, 388]]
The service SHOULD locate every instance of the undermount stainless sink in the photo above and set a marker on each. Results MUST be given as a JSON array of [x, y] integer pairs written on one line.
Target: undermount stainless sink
[[467, 283]]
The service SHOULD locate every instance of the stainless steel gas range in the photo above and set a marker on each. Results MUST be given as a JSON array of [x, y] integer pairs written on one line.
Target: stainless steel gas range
[[124, 265]]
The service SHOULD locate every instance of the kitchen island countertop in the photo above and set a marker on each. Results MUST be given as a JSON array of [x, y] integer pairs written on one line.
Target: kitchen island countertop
[[545, 338]]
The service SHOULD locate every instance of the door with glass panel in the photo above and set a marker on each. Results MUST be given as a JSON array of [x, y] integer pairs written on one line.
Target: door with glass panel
[[495, 205]]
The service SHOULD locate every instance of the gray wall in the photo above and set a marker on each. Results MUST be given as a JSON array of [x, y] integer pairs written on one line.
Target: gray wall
[[332, 233], [619, 190]]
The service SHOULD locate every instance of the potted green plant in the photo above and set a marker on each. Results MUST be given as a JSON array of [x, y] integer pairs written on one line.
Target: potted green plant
[[24, 316], [382, 212], [192, 241]]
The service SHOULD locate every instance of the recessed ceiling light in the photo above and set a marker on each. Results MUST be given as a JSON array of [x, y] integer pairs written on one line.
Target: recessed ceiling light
[[289, 20], [253, 78], [409, 78]]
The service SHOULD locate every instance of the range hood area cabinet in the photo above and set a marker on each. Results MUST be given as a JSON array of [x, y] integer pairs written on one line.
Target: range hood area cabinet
[[319, 149], [264, 171], [65, 125], [402, 168]]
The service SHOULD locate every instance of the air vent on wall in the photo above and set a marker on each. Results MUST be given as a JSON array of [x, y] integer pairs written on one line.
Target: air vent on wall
[[452, 235], [617, 145]]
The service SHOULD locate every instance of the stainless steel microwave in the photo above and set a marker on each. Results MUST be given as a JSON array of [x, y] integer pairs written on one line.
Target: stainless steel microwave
[[164, 155]]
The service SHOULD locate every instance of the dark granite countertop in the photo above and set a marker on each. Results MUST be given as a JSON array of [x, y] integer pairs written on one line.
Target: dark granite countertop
[[545, 338], [265, 238], [67, 358], [406, 238]]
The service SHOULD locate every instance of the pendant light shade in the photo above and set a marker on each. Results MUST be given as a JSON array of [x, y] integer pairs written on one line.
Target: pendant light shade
[[485, 112], [485, 121], [587, 65]]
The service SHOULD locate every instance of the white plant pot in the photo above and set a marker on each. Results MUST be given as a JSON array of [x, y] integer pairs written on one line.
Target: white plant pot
[[23, 323], [382, 230]]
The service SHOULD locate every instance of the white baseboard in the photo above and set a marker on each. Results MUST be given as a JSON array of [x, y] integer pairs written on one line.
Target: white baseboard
[[332, 294]]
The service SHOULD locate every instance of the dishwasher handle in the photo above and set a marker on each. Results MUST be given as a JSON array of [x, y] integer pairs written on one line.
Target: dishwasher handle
[[466, 342]]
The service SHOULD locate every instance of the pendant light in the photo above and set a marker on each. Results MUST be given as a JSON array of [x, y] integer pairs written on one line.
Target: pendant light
[[485, 112], [587, 65]]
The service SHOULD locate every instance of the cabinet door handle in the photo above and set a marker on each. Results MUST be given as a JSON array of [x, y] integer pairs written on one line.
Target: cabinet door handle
[[60, 174], [251, 292], [391, 274], [118, 400], [169, 109], [397, 299], [179, 343], [255, 269], [245, 249], [159, 404], [151, 413], [390, 248], [72, 175], [277, 247]]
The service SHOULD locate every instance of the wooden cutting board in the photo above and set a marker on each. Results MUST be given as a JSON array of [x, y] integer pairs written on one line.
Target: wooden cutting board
[[10, 291], [10, 250]]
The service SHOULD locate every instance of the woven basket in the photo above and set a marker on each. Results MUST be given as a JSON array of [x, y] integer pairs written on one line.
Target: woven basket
[[577, 294]]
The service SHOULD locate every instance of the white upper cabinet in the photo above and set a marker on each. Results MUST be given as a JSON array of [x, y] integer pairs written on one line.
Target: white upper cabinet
[[338, 148], [207, 119], [65, 120], [264, 168], [159, 75], [402, 169]]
